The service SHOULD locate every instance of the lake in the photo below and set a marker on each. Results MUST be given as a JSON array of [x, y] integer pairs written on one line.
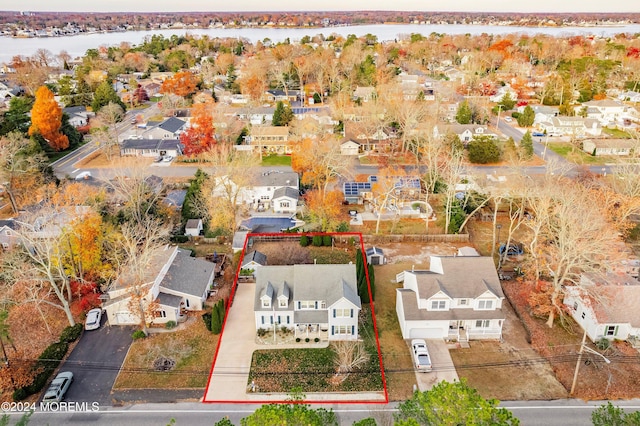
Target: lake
[[79, 44]]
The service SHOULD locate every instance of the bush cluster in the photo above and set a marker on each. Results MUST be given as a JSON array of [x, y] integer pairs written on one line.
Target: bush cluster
[[47, 362], [71, 333]]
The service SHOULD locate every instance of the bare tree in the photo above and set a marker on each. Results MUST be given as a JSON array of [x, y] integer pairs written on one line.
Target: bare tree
[[111, 114], [349, 356]]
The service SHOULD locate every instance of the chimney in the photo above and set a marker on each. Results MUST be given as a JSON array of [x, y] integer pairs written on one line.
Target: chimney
[[413, 267]]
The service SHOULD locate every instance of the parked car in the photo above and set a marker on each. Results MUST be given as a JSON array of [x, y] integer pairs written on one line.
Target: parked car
[[421, 357], [58, 387], [508, 119], [83, 176], [515, 249], [167, 159], [92, 322], [537, 134]]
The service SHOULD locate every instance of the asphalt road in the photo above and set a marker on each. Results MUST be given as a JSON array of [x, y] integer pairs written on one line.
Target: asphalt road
[[95, 362], [530, 413]]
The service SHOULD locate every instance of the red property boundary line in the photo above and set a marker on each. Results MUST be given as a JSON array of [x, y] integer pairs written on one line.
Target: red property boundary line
[[292, 236]]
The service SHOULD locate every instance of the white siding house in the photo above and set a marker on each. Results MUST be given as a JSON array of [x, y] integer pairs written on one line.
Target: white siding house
[[458, 298], [313, 300]]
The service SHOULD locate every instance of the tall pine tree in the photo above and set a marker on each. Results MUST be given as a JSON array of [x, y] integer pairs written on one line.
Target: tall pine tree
[[372, 283]]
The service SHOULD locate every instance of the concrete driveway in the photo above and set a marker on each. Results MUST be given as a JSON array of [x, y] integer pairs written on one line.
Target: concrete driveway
[[443, 368], [95, 363]]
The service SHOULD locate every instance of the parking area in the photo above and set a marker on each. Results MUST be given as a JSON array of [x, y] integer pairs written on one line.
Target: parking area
[[95, 363], [443, 368]]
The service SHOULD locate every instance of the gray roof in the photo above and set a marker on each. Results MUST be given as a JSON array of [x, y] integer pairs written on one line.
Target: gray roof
[[169, 300], [277, 178], [158, 144], [286, 191], [256, 256], [9, 223], [188, 275], [192, 223], [172, 124], [374, 250], [309, 282], [413, 313], [463, 277]]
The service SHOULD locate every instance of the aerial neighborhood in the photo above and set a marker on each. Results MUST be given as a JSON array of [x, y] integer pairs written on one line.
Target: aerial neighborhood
[[342, 219]]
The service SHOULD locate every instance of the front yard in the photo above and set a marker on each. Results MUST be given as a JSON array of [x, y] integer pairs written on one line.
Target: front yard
[[576, 155], [316, 369], [191, 348]]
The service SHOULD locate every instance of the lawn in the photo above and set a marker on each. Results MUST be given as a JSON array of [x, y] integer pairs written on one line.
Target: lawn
[[276, 160], [396, 357], [575, 155], [616, 133], [191, 347], [314, 369]]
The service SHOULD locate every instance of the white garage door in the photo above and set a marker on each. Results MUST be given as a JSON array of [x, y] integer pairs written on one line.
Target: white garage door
[[425, 333], [125, 317]]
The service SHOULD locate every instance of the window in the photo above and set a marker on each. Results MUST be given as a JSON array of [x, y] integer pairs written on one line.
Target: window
[[483, 323], [285, 204], [160, 314], [485, 304], [463, 302], [283, 303], [7, 232], [575, 306], [438, 304], [306, 304], [342, 329], [342, 313], [582, 316], [266, 303], [323, 305], [611, 330], [5, 246], [186, 303]]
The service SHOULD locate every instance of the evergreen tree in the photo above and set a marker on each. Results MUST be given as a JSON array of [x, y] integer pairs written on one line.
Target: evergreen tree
[[464, 113], [217, 317], [507, 102], [483, 150], [282, 115], [361, 279], [105, 94], [527, 117], [526, 146], [372, 283]]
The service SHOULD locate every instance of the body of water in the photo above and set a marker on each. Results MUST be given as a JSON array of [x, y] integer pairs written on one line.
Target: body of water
[[79, 44]]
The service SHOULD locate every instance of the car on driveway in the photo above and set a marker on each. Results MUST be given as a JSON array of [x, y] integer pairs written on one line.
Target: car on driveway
[[58, 387], [92, 322], [421, 357], [167, 159]]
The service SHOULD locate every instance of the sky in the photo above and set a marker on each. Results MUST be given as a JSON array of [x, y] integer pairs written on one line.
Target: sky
[[319, 5]]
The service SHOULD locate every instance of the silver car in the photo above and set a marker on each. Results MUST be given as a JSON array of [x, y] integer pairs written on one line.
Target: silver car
[[58, 387], [92, 322], [421, 357]]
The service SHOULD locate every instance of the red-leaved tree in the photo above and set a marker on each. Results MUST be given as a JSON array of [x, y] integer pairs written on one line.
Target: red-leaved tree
[[200, 136]]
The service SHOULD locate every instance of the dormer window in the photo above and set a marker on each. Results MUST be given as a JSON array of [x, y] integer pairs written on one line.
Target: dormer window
[[282, 303], [266, 303], [485, 304], [438, 305]]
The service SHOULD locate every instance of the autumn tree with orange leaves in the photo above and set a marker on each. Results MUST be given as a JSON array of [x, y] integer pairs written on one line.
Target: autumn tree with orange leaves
[[46, 120], [201, 135], [182, 84], [324, 208]]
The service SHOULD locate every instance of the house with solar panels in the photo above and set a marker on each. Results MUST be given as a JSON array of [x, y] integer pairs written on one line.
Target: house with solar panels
[[408, 188]]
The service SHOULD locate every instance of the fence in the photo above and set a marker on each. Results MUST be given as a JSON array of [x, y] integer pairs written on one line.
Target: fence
[[420, 238]]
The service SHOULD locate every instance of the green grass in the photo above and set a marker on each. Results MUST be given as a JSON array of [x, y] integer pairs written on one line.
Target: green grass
[[276, 160], [616, 133], [575, 155]]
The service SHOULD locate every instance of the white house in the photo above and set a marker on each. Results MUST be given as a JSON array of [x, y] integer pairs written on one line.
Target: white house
[[151, 147], [612, 147], [570, 126], [285, 200], [503, 90], [313, 300], [606, 111], [193, 227], [173, 280], [252, 261], [171, 128], [606, 306], [8, 235], [350, 146], [629, 96], [465, 132], [458, 298]]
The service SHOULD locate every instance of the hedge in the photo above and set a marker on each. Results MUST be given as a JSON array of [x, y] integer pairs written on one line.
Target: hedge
[[71, 333], [47, 362]]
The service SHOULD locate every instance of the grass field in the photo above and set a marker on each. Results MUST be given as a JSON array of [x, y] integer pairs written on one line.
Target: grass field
[[276, 160], [575, 155]]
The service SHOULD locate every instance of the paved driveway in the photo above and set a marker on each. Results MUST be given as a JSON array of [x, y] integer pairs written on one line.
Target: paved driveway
[[443, 368], [95, 363]]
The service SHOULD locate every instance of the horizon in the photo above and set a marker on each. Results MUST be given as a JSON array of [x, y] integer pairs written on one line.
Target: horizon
[[291, 6]]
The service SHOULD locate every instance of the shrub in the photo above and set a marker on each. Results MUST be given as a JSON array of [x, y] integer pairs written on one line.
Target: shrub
[[304, 241], [71, 333], [316, 241], [48, 361], [138, 334], [343, 227], [53, 354], [207, 320], [483, 150], [170, 325], [603, 344], [19, 394], [179, 239], [327, 240], [262, 332]]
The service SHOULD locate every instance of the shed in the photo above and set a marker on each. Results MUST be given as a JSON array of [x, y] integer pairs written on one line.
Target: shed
[[193, 227], [375, 256]]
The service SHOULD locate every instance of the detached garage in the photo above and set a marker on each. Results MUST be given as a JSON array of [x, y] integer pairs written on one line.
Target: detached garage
[[375, 256]]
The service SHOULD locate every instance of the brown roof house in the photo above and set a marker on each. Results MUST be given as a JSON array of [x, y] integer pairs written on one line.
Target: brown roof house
[[458, 298]]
